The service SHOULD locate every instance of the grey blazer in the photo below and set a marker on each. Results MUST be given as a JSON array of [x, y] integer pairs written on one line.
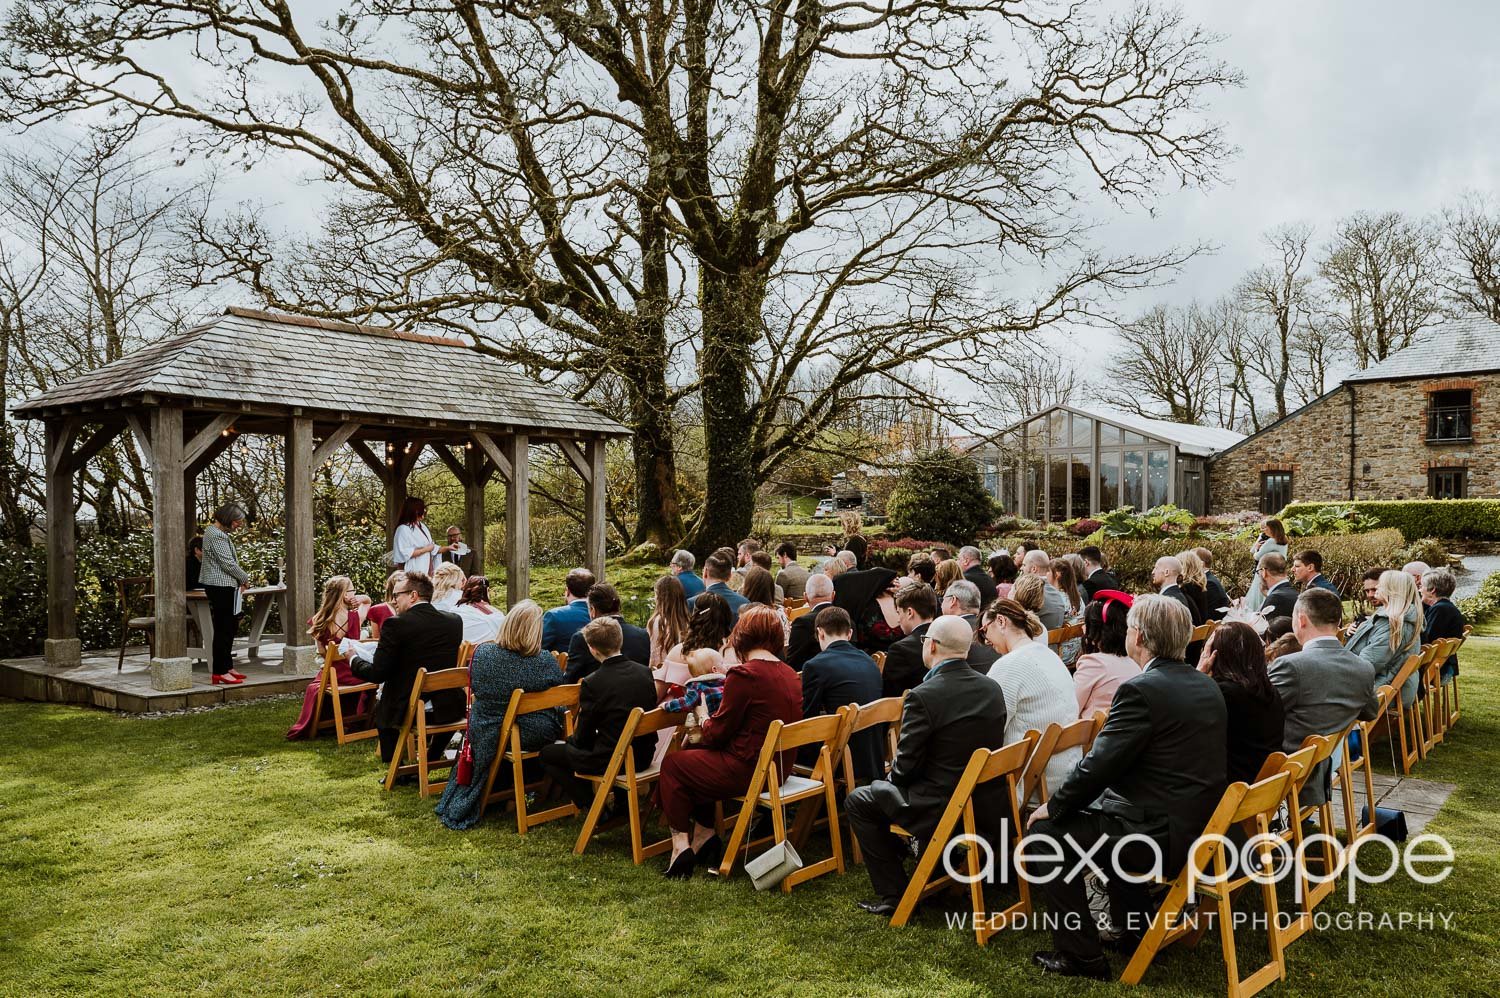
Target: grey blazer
[[1324, 688]]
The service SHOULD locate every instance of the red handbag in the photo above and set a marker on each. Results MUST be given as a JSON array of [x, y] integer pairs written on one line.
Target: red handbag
[[463, 768]]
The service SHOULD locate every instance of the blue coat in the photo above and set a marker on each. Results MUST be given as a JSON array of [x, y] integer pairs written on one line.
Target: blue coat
[[734, 599], [1323, 582], [1372, 642], [840, 675], [560, 624], [692, 583]]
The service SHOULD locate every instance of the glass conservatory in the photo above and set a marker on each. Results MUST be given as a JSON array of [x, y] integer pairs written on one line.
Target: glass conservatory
[[1073, 461]]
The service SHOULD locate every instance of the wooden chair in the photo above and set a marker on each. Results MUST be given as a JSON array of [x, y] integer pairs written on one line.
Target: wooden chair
[[1401, 724], [985, 766], [1057, 738], [791, 603], [1100, 716], [1302, 764], [415, 730], [1451, 709], [798, 611], [1059, 636], [125, 592], [887, 711], [510, 752], [621, 774], [879, 658], [466, 653], [1429, 704], [1255, 806], [768, 790], [332, 694], [1202, 631], [1343, 777], [562, 661]]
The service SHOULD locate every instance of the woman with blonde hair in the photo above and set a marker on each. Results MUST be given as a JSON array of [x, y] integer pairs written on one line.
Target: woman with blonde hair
[[338, 617], [1393, 633], [1037, 686], [947, 573], [1193, 581], [515, 661], [447, 586]]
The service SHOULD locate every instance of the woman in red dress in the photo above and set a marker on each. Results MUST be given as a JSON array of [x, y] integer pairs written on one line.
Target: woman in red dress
[[378, 614], [337, 618], [760, 689]]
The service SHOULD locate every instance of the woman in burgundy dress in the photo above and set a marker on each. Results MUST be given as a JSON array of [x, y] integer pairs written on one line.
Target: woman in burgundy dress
[[759, 690], [337, 618]]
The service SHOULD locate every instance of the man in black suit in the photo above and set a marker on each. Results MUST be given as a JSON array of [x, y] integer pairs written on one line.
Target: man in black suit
[[606, 697], [1218, 596], [1164, 576], [839, 675], [945, 718], [974, 570], [420, 636], [802, 644], [1281, 594], [1099, 575], [916, 608], [1157, 770], [458, 552], [605, 602]]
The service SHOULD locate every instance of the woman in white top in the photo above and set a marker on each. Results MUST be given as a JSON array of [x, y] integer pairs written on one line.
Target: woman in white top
[[1272, 540], [413, 546], [482, 622], [1038, 689], [447, 586]]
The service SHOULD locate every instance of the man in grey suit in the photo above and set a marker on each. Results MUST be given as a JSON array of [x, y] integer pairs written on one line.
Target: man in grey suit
[[1324, 687], [1054, 612]]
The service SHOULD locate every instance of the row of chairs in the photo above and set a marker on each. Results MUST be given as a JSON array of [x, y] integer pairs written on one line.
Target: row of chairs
[[1417, 730]]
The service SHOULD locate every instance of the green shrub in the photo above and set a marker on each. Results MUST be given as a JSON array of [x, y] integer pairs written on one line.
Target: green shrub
[[1429, 550], [1338, 518], [941, 494], [1158, 521], [1485, 604], [1467, 519]]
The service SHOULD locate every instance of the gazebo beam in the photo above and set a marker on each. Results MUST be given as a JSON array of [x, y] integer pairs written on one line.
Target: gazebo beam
[[594, 522], [205, 438], [63, 648], [298, 653], [333, 442], [517, 518], [171, 669], [477, 473]]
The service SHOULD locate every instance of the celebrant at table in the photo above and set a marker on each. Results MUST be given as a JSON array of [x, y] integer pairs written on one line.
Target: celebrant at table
[[460, 554], [224, 583]]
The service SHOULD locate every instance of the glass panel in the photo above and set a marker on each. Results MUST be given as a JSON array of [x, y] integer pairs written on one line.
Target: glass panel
[[1109, 433], [992, 478], [1057, 489], [1109, 479], [1135, 478], [1036, 492], [1134, 438], [1036, 433], [1082, 478], [1008, 498], [1059, 421], [1083, 430], [1275, 491], [1156, 478]]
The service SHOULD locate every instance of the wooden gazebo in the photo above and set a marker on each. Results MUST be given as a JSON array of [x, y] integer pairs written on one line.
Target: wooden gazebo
[[321, 385]]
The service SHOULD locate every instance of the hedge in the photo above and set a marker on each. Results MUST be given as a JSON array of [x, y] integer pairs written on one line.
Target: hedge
[[1468, 519], [1485, 604]]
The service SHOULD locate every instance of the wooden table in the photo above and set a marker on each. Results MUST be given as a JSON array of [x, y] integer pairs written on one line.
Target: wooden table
[[258, 600]]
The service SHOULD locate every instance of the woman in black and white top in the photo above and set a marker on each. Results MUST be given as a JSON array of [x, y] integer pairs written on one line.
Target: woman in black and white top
[[223, 582]]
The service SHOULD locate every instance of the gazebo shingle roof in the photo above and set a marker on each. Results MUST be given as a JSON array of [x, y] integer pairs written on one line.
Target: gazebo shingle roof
[[265, 359]]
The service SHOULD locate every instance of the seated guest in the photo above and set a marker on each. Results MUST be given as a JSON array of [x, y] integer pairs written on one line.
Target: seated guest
[[869, 597], [1393, 633], [447, 586], [513, 661], [1037, 687], [1440, 617], [338, 617], [1416, 569], [944, 719], [1194, 582], [1281, 595], [1165, 576], [1325, 687], [1098, 576], [1369, 583], [1157, 771], [940, 554], [1307, 569], [839, 675], [761, 689], [1103, 666], [760, 589], [482, 622], [946, 573], [716, 572], [194, 562], [792, 577], [762, 560], [381, 612], [921, 569], [1218, 596], [744, 557], [1054, 611], [1004, 571], [708, 627], [917, 607], [803, 641], [669, 624], [606, 696], [961, 599], [1065, 571], [681, 566], [420, 636], [1276, 629], [1284, 645], [1234, 656], [603, 601], [969, 563], [560, 623]]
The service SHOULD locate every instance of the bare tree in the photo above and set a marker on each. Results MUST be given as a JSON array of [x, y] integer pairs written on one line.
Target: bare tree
[[1169, 367], [1471, 234], [1028, 377], [1381, 272], [1281, 294]]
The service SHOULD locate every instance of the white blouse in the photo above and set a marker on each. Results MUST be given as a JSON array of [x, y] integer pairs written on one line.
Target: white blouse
[[478, 625], [409, 537], [1038, 691]]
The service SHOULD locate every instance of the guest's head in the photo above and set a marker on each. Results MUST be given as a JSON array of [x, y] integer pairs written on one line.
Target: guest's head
[[747, 547], [1092, 556], [716, 569], [1104, 624], [961, 598], [1007, 625], [946, 574], [1158, 627], [1395, 595], [833, 567], [335, 591], [1274, 529], [940, 554], [447, 580], [1416, 569], [833, 624], [671, 614], [1277, 627], [393, 582], [1437, 583], [455, 536], [758, 633], [786, 553], [849, 558], [1287, 644], [728, 554], [682, 561], [231, 516], [1207, 557], [921, 568], [704, 661], [1193, 572], [415, 588], [604, 637], [604, 600], [1166, 572], [916, 605], [522, 630], [476, 590], [968, 557], [413, 510], [1036, 562], [578, 582], [1317, 614], [1239, 658], [709, 624], [195, 547], [1003, 569], [1272, 569], [1030, 591], [1306, 566], [1369, 582], [947, 638], [1065, 579], [758, 586], [761, 559], [819, 589]]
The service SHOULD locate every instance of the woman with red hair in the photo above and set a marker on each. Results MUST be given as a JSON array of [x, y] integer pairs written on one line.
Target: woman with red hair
[[759, 690]]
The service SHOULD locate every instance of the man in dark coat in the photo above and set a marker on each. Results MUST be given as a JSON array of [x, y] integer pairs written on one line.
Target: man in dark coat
[[839, 675], [802, 644], [605, 602], [917, 607], [1099, 577], [1281, 594], [973, 568]]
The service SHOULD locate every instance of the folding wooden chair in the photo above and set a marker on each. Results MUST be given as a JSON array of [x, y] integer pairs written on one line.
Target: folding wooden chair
[[465, 654], [1202, 631], [1429, 705], [791, 603], [415, 730], [1301, 765], [1451, 709], [862, 717], [1100, 716], [621, 774], [510, 752], [562, 660], [125, 592], [1343, 776], [985, 766], [1057, 738], [1059, 636], [798, 611], [331, 693], [1408, 723], [879, 657], [1253, 805], [810, 790]]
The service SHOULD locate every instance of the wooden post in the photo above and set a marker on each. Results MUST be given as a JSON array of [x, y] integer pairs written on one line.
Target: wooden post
[[190, 521], [476, 476], [517, 519], [171, 669], [395, 488], [299, 653], [63, 647], [593, 509]]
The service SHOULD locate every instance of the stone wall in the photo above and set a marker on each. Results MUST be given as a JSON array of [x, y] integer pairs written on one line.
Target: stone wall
[[1391, 452]]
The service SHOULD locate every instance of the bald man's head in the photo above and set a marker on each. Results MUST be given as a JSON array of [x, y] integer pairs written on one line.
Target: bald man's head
[[947, 637]]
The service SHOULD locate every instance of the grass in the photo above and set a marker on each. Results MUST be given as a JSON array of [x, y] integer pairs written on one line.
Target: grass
[[204, 853]]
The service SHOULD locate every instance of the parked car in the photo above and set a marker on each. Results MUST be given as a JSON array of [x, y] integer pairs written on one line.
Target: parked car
[[826, 507]]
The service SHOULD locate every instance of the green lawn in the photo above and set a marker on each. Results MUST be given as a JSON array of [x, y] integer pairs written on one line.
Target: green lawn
[[203, 853]]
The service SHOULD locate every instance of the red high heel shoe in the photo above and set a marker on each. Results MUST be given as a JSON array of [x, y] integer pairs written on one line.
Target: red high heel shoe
[[237, 674], [224, 679]]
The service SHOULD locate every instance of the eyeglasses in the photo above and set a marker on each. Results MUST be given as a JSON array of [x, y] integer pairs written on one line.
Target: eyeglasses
[[403, 592]]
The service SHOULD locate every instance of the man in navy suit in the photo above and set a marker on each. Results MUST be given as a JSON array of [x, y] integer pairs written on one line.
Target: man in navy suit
[[839, 675], [716, 573], [560, 623], [682, 567], [604, 601], [1307, 569]]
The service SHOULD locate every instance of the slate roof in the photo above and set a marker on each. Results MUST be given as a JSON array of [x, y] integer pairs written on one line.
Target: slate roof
[[1461, 346], [264, 358], [1191, 439]]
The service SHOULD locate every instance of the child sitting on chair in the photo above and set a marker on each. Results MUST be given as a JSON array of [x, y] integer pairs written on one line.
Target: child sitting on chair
[[701, 694]]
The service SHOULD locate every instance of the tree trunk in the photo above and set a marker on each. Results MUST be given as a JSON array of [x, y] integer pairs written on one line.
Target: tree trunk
[[731, 308]]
